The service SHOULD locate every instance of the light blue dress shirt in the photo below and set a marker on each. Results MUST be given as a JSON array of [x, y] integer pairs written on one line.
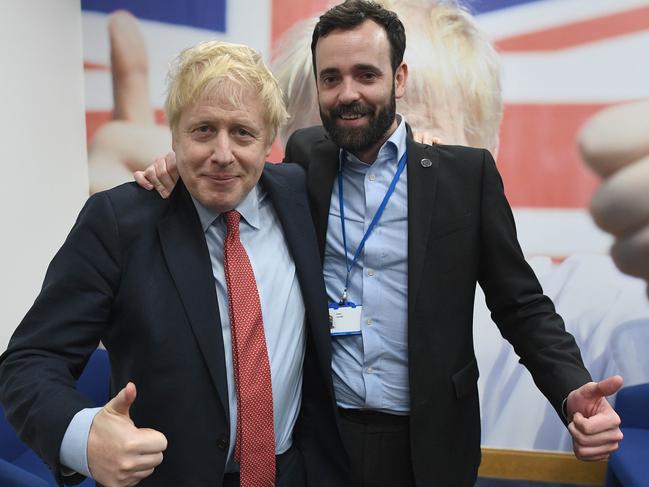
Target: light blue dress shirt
[[284, 323], [370, 370]]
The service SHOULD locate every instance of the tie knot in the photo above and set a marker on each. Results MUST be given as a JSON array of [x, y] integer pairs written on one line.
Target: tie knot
[[232, 219]]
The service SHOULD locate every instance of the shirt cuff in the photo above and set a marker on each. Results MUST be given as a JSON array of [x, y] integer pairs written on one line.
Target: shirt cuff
[[74, 447]]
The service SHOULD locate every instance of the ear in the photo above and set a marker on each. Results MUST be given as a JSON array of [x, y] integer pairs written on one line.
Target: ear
[[173, 139], [400, 77]]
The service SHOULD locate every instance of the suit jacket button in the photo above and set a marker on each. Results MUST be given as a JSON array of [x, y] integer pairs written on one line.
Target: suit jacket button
[[426, 163], [222, 443]]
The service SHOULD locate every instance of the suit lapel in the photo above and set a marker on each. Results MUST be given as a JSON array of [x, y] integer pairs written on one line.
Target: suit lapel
[[185, 250], [297, 225], [422, 192], [320, 180]]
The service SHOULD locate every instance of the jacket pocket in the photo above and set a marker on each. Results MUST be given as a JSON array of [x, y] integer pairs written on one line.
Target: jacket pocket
[[453, 226]]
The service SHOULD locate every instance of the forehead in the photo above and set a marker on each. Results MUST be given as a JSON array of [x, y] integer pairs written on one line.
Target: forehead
[[365, 44], [228, 102]]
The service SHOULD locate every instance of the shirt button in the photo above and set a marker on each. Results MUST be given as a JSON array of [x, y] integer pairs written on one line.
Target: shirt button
[[368, 321], [370, 370], [372, 177], [370, 272]]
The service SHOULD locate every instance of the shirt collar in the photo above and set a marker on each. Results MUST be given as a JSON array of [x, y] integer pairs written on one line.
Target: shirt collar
[[248, 208], [397, 141]]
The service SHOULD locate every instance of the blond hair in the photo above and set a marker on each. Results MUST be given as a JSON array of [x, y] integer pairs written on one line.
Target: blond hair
[[230, 68], [454, 73], [293, 66]]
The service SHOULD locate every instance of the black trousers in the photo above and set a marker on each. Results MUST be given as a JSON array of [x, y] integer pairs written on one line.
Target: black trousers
[[289, 471], [378, 446]]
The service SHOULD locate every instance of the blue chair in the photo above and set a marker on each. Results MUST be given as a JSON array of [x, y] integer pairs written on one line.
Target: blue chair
[[629, 465], [19, 465]]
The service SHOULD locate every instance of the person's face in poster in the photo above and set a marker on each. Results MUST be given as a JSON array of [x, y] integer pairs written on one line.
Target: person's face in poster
[[357, 89], [221, 144]]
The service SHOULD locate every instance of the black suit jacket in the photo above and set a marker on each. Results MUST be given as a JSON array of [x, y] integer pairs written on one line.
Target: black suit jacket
[[460, 232], [135, 273]]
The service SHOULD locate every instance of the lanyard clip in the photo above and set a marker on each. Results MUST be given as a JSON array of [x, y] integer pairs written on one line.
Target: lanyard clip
[[343, 298]]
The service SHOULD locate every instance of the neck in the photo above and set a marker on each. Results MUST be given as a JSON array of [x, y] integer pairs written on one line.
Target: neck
[[368, 156]]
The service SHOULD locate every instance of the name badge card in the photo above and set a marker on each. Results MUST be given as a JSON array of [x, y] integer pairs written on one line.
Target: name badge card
[[345, 319]]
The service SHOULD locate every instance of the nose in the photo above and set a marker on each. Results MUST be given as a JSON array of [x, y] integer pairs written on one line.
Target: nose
[[222, 149], [348, 92]]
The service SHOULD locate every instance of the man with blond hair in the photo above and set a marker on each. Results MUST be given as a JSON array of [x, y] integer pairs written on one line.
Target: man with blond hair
[[211, 303]]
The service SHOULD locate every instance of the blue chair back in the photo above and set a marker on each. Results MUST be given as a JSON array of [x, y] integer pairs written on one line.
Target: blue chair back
[[20, 466]]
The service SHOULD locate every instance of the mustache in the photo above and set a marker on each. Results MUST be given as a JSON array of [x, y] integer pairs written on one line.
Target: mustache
[[355, 108]]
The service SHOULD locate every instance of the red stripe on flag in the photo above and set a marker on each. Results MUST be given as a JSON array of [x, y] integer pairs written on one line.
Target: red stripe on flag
[[288, 12], [576, 33], [95, 66], [538, 156]]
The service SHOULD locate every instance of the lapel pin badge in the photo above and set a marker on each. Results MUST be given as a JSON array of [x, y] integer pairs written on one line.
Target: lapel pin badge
[[425, 163]]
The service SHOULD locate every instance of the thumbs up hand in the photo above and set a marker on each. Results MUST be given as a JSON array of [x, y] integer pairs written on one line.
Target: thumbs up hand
[[119, 453], [594, 424]]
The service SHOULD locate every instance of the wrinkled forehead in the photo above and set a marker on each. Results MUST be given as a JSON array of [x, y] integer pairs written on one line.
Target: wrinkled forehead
[[228, 94]]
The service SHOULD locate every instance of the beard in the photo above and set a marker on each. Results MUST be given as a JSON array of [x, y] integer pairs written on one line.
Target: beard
[[359, 139]]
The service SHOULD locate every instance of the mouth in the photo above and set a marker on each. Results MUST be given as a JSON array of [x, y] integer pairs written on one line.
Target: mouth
[[221, 178], [358, 123], [350, 116], [352, 120]]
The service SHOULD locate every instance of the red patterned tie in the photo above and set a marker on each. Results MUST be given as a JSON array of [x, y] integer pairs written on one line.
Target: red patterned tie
[[255, 448]]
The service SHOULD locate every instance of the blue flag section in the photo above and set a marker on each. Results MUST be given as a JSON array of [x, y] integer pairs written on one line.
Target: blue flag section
[[202, 14], [484, 6]]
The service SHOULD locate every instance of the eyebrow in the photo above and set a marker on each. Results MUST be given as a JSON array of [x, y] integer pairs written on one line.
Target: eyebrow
[[356, 67], [327, 71], [367, 67], [244, 119]]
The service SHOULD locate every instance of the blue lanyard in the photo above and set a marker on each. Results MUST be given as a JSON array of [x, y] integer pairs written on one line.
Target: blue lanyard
[[375, 219]]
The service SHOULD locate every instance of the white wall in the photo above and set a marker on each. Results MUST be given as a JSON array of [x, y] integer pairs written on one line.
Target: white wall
[[42, 135]]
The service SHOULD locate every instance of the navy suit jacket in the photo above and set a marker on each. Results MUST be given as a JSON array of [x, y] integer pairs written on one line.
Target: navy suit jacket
[[460, 232], [135, 273]]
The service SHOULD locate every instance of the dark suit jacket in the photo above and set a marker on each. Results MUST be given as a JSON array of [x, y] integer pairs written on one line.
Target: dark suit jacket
[[135, 273], [460, 232]]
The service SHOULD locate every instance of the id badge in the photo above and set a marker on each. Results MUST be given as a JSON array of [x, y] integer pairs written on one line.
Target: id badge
[[345, 319]]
